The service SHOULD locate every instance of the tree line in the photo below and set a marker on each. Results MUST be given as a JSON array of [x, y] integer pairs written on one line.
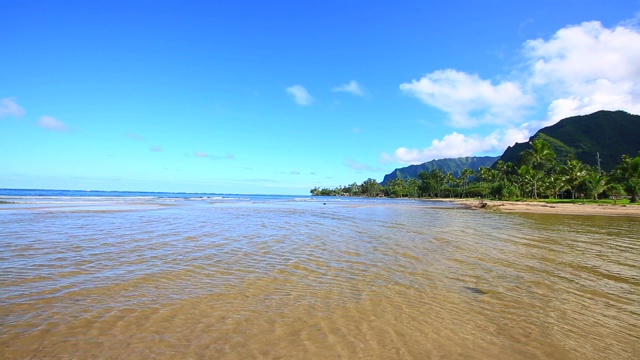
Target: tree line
[[537, 176]]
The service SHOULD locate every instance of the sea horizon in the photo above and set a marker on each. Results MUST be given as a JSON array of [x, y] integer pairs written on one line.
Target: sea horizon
[[141, 192]]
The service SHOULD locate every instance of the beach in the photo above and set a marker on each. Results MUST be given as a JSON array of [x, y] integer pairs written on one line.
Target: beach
[[549, 208]]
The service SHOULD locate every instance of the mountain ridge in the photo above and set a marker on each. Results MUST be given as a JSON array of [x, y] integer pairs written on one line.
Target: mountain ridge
[[453, 165], [605, 135]]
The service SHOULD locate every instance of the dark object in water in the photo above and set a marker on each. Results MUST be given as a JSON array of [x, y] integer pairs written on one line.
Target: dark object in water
[[475, 290]]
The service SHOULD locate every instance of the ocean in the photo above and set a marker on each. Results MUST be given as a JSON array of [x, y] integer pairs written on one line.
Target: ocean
[[138, 275]]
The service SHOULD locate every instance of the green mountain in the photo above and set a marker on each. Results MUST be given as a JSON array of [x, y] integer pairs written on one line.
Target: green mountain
[[609, 133], [454, 166]]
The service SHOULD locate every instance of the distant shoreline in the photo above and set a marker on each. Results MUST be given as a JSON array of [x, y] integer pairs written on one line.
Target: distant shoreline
[[548, 208]]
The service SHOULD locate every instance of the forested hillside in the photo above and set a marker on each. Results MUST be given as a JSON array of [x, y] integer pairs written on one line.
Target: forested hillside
[[609, 133], [454, 166]]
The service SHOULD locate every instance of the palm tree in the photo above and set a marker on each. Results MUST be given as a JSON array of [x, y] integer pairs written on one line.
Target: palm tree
[[354, 189], [432, 182], [450, 182], [439, 179], [396, 188], [553, 185], [371, 187], [616, 191], [464, 177], [412, 187], [573, 172], [488, 174], [539, 157], [594, 183], [504, 169], [627, 173], [526, 177]]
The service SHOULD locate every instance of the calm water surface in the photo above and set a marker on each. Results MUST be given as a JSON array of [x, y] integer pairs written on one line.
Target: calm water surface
[[251, 278]]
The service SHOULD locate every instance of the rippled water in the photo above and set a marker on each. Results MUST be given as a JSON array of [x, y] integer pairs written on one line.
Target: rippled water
[[314, 279]]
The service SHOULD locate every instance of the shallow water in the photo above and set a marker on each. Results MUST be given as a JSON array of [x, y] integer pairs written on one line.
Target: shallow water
[[313, 279]]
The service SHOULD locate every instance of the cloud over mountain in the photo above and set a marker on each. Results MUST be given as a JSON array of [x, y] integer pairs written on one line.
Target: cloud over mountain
[[579, 70]]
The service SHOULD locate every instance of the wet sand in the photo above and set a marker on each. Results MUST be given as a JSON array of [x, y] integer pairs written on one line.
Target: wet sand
[[550, 208]]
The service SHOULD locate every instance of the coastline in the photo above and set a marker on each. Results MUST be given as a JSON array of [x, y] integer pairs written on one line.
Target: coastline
[[548, 208]]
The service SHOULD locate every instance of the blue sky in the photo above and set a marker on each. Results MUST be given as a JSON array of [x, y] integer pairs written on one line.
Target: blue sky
[[279, 97]]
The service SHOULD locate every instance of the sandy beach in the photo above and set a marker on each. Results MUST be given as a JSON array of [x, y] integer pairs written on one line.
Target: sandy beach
[[550, 208]]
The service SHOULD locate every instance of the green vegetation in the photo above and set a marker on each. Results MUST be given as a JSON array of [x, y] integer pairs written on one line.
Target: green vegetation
[[580, 157], [540, 175], [453, 166], [604, 134]]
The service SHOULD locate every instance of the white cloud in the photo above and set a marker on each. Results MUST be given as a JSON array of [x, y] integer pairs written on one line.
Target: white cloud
[[300, 95], [581, 69], [510, 136], [351, 87], [470, 100], [156, 149], [459, 145], [9, 108], [51, 123], [585, 68], [451, 146]]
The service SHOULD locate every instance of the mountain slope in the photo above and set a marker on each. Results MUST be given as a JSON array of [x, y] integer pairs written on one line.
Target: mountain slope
[[609, 133], [454, 166]]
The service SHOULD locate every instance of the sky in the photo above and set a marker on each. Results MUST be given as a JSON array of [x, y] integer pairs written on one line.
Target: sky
[[252, 97]]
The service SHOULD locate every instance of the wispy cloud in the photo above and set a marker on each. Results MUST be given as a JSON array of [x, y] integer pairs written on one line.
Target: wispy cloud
[[51, 123], [9, 108], [351, 87], [202, 154], [156, 149], [295, 172], [633, 22], [134, 136], [358, 166], [524, 25], [300, 95]]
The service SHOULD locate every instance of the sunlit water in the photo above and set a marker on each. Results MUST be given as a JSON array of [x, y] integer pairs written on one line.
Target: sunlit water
[[263, 277]]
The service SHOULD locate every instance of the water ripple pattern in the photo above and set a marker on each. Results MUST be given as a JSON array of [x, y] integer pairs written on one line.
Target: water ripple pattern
[[251, 277]]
